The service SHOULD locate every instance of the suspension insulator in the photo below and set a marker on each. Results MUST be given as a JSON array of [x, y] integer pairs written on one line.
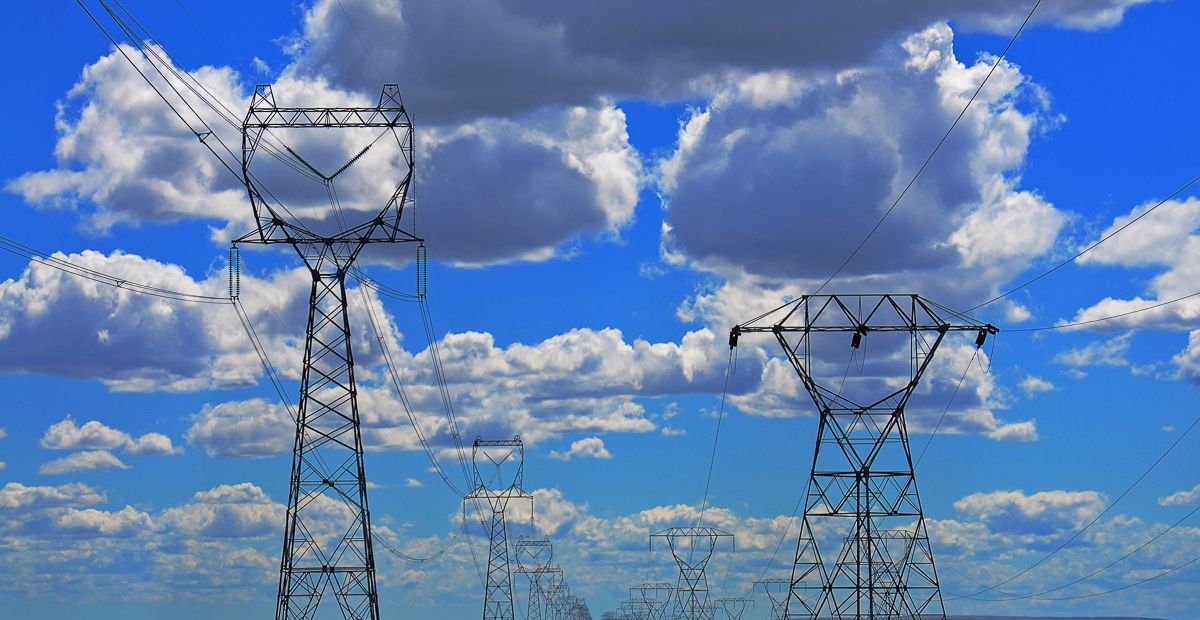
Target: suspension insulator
[[422, 271], [235, 271]]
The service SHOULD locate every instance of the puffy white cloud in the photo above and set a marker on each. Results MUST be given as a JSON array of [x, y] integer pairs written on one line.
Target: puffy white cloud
[[586, 448], [470, 59], [17, 496], [584, 380], [1025, 430], [1032, 385], [91, 460], [126, 522], [1110, 352], [837, 149], [55, 323], [536, 182], [1181, 498], [126, 159], [94, 435], [1168, 238], [62, 537], [1041, 514], [412, 483], [246, 429], [228, 511]]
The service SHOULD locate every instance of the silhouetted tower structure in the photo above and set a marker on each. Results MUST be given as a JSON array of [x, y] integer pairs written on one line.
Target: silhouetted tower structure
[[551, 577], [557, 596], [499, 466], [657, 598], [862, 483], [332, 552], [633, 609], [533, 560], [733, 608], [692, 548], [777, 594]]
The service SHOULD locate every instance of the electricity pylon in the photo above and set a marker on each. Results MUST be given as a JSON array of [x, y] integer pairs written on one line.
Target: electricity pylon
[[657, 598], [633, 609], [733, 608], [862, 470], [327, 540], [551, 577], [533, 560], [777, 594], [501, 480], [557, 595], [692, 548]]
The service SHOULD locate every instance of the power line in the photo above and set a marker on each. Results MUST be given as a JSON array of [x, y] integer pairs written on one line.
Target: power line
[[1097, 518], [50, 260], [716, 438], [924, 448], [1102, 319], [936, 148], [1041, 595], [1088, 248]]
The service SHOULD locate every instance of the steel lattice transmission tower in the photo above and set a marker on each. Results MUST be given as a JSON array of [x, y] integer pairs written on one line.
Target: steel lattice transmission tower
[[777, 594], [327, 542], [533, 560], [862, 483], [656, 597], [692, 548], [501, 479], [733, 608]]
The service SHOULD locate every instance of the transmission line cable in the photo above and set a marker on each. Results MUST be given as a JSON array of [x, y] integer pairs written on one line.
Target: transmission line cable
[[1095, 519], [1103, 318], [936, 148], [1042, 595], [933, 434], [49, 260], [1090, 248], [716, 438]]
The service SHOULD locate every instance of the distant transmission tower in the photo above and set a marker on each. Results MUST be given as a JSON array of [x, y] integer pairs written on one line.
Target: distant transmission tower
[[327, 541], [657, 598], [692, 548], [862, 483], [533, 560], [499, 466], [633, 609], [777, 594], [733, 608]]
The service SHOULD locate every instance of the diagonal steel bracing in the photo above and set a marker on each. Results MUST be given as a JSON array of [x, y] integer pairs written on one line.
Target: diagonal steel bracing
[[499, 468], [862, 492], [327, 547]]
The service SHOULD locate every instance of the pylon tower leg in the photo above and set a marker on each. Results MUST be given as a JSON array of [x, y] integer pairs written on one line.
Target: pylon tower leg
[[327, 541], [534, 603], [862, 486], [497, 595]]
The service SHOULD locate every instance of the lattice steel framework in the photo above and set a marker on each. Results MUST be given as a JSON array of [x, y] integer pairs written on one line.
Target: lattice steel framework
[[862, 472], [327, 541], [733, 608], [692, 548], [533, 560], [656, 597], [501, 480], [777, 594], [633, 609]]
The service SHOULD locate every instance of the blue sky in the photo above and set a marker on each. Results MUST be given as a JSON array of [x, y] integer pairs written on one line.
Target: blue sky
[[605, 193]]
